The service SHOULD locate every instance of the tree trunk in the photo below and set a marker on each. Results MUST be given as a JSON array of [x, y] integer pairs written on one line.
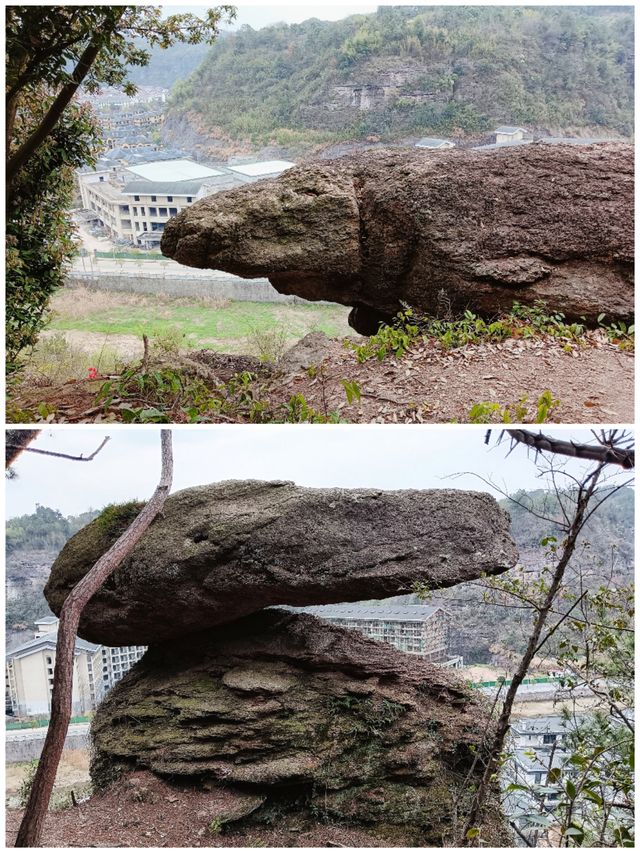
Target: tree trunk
[[474, 818], [61, 699]]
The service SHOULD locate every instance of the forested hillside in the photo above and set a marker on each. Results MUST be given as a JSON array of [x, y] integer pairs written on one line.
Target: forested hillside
[[418, 70]]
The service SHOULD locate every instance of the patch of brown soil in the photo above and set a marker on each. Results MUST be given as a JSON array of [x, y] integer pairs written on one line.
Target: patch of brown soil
[[143, 811], [593, 382]]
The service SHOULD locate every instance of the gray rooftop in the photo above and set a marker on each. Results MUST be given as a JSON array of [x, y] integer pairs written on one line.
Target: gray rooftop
[[163, 187], [506, 128], [432, 142], [368, 612], [48, 641]]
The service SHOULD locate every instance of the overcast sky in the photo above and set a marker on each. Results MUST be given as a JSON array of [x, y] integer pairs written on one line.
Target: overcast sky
[[260, 14], [384, 456]]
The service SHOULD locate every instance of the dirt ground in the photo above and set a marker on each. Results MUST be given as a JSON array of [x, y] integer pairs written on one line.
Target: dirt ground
[[594, 383], [142, 811], [73, 774]]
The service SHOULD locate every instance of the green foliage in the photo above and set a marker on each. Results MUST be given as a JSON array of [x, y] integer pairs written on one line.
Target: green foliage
[[44, 46], [39, 231], [115, 518], [27, 783], [167, 395], [388, 340], [618, 333], [44, 530], [514, 413], [522, 321], [472, 72]]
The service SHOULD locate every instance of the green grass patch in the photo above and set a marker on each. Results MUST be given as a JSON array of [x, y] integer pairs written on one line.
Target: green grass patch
[[204, 326]]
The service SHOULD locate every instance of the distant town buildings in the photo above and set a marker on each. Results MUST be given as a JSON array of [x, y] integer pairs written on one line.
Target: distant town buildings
[[414, 629], [135, 201], [30, 667]]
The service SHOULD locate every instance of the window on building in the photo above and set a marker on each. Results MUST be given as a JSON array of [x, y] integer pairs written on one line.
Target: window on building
[[163, 211], [101, 178], [153, 211], [169, 198], [189, 199], [173, 211], [136, 198], [548, 738], [153, 198], [135, 211], [537, 778], [144, 226]]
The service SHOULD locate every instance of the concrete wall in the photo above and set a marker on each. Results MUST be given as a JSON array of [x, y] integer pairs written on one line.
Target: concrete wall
[[218, 286], [26, 749]]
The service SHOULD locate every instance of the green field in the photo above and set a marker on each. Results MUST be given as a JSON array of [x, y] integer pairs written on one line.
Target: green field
[[103, 330], [229, 326]]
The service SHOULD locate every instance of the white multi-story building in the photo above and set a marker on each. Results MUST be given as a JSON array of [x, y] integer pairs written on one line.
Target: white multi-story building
[[30, 668], [135, 202], [414, 629]]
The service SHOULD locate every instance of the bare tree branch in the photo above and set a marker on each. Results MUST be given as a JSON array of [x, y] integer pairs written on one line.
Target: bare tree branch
[[80, 458], [614, 455], [61, 699]]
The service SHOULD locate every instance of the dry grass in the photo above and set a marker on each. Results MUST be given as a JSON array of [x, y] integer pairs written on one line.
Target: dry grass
[[79, 302]]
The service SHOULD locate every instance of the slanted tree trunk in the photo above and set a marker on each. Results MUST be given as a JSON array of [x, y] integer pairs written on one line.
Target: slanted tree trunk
[[61, 700]]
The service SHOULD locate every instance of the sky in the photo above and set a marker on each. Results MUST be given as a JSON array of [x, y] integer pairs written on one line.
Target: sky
[[261, 14], [385, 456]]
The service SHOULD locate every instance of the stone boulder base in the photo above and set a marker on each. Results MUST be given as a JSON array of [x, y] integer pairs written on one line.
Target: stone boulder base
[[223, 551], [310, 719], [442, 230]]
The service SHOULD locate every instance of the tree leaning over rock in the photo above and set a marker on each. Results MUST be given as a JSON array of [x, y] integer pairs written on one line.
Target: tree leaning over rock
[[61, 699]]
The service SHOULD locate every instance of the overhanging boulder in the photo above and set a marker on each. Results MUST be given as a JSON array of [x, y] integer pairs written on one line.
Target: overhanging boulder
[[220, 552], [451, 229]]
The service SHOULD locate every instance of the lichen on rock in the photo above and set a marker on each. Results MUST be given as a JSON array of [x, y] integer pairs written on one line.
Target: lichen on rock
[[315, 721]]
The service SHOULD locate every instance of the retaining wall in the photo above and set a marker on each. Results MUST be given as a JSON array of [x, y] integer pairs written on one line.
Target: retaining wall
[[218, 286], [27, 749]]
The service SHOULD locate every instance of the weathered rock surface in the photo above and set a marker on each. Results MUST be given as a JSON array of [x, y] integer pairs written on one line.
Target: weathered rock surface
[[456, 228], [222, 551], [309, 718]]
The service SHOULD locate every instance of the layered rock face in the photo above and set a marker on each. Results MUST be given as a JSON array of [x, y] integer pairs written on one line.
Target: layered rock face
[[223, 551], [460, 229], [310, 719]]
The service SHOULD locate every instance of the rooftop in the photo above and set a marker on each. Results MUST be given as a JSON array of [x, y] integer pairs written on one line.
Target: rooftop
[[189, 188], [173, 170], [432, 142], [267, 167], [505, 128], [48, 641], [368, 612]]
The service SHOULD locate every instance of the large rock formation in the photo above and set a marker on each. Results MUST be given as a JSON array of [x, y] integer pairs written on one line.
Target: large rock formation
[[220, 552], [310, 719], [460, 229]]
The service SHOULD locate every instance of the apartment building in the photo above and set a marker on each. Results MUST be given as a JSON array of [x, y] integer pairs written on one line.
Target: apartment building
[[415, 629], [30, 668], [135, 202]]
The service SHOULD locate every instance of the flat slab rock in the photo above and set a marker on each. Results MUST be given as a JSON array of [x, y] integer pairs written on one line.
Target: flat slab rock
[[306, 719], [440, 231], [223, 551]]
